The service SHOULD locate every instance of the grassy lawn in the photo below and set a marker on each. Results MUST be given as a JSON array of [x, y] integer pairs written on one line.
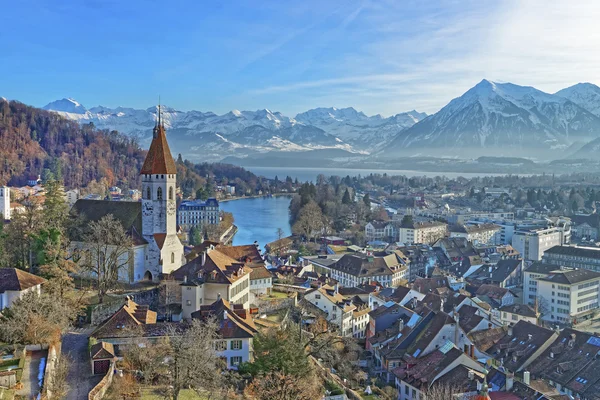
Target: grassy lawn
[[278, 295], [154, 394]]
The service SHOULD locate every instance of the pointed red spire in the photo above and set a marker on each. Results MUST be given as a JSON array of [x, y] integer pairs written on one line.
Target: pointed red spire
[[159, 159]]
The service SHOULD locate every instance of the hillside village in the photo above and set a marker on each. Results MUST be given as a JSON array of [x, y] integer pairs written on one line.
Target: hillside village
[[433, 296]]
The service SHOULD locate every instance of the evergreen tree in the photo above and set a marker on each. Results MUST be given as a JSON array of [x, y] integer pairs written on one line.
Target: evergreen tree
[[346, 199], [367, 200]]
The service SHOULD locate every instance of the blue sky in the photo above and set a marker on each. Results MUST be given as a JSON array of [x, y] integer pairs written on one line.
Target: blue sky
[[377, 56]]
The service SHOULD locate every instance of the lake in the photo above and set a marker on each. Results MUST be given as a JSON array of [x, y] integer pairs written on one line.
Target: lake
[[258, 218], [310, 174]]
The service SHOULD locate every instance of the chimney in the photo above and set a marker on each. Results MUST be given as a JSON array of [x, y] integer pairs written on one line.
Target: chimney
[[510, 330], [224, 314], [529, 337], [185, 279], [471, 375], [510, 380], [204, 257], [218, 296], [526, 378], [400, 325]]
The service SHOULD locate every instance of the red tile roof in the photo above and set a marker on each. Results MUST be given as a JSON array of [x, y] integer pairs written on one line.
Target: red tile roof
[[14, 279], [159, 159]]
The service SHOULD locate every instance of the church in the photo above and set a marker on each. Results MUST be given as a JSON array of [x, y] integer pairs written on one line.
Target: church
[[152, 223]]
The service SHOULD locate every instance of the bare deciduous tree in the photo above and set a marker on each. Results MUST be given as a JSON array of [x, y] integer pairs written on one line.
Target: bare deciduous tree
[[35, 319], [278, 386], [109, 249]]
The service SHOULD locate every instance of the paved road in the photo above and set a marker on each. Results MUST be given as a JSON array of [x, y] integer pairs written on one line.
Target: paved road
[[80, 378]]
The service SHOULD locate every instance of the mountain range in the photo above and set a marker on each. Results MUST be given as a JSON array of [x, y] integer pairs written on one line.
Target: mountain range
[[498, 119]]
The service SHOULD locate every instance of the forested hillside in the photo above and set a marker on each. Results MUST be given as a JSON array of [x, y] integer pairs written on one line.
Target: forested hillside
[[37, 142]]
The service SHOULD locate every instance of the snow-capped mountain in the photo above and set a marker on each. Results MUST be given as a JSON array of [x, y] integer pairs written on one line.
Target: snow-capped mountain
[[501, 118], [66, 105], [585, 95], [357, 128], [211, 136]]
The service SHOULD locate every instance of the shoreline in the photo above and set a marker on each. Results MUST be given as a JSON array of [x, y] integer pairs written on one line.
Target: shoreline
[[258, 196]]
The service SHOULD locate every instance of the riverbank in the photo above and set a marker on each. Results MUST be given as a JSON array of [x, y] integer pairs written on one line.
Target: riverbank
[[258, 196]]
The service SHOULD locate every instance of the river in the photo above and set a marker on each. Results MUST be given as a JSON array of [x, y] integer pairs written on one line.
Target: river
[[258, 218], [310, 174]]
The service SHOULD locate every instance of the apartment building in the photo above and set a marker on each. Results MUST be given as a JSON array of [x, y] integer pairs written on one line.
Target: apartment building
[[574, 257], [564, 295], [422, 232], [533, 243], [198, 213], [477, 233]]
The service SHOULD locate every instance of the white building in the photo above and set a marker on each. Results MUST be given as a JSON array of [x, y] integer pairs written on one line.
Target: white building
[[261, 281], [353, 269], [381, 230], [477, 233], [532, 243], [152, 223], [198, 213], [568, 295], [5, 202], [236, 331], [71, 196], [514, 313], [15, 283], [422, 232], [339, 310]]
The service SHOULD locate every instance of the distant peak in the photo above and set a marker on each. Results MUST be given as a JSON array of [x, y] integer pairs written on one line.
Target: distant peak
[[69, 105]]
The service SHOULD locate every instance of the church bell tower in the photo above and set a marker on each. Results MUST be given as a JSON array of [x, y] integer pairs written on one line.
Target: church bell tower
[[159, 220]]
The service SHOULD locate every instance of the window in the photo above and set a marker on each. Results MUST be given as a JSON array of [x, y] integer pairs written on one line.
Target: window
[[171, 193], [235, 361], [159, 194], [317, 296], [514, 317], [221, 345], [189, 302], [172, 258], [148, 194], [236, 345]]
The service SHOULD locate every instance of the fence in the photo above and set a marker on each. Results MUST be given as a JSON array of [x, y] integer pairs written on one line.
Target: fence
[[100, 389], [51, 363]]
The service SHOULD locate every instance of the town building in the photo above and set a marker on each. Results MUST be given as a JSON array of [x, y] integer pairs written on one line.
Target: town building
[[338, 310], [513, 313], [16, 283], [151, 223], [5, 209], [422, 232], [353, 269], [198, 213], [568, 296], [71, 196], [476, 233], [236, 331], [573, 257], [381, 230], [533, 243], [210, 277]]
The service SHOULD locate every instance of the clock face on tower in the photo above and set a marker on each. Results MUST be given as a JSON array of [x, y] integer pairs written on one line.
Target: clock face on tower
[[170, 208]]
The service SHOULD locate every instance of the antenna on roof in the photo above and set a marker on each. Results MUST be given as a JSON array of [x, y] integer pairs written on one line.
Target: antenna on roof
[[159, 113]]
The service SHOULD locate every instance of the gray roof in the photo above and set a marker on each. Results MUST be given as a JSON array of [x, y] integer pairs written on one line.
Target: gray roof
[[569, 277], [587, 252], [361, 265], [519, 309], [540, 267]]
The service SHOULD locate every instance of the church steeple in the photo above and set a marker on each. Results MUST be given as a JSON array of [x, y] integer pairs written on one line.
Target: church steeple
[[159, 159]]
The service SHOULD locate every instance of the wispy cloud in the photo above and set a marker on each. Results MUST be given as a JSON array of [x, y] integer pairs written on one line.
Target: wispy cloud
[[407, 55]]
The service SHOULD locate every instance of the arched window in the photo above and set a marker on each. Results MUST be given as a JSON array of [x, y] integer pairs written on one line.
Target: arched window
[[172, 258], [148, 193], [171, 193], [159, 194]]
